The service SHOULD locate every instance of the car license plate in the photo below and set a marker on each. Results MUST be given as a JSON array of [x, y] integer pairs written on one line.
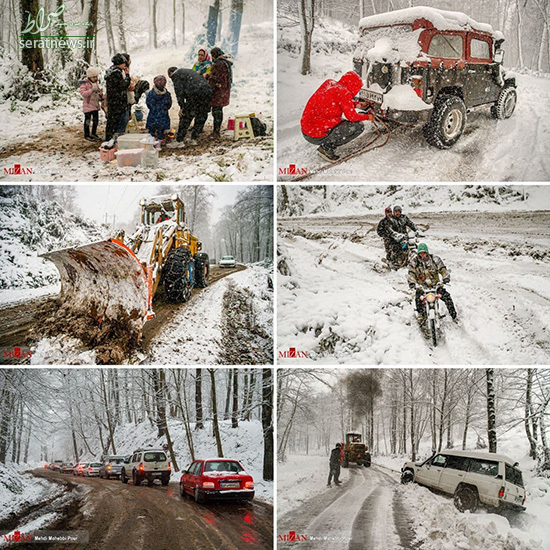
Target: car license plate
[[229, 485], [519, 499], [368, 95]]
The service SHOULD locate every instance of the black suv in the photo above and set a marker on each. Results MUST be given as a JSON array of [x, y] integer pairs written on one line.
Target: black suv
[[424, 65]]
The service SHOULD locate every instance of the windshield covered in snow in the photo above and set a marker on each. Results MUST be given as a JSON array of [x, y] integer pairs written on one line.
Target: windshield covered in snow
[[388, 44], [223, 466]]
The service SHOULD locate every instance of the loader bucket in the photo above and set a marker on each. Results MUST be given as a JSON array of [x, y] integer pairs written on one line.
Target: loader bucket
[[104, 279]]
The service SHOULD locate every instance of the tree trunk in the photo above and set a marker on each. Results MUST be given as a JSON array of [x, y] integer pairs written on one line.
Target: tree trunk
[[107, 412], [109, 28], [235, 20], [174, 22], [198, 400], [183, 21], [491, 412], [31, 57], [184, 411], [527, 417], [267, 422], [228, 394], [91, 31], [307, 24], [215, 413], [120, 18], [235, 412]]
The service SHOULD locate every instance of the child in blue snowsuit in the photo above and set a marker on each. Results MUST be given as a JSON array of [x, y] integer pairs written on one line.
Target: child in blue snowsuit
[[159, 102]]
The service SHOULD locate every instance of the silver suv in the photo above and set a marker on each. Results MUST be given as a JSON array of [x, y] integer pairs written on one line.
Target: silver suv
[[472, 477], [146, 464], [111, 466]]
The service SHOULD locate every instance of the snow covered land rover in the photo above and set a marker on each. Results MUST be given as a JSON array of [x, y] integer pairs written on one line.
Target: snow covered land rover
[[472, 477], [424, 65]]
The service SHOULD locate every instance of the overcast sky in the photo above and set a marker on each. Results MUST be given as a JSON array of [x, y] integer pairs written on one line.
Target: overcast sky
[[122, 200]]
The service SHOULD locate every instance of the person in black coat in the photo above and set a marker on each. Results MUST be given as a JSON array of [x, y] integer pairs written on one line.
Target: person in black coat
[[334, 465], [387, 229], [194, 95], [117, 81]]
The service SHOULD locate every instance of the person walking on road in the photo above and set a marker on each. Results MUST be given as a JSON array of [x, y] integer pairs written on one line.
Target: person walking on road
[[334, 465]]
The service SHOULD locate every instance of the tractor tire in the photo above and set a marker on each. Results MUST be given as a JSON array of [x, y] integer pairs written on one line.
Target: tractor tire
[[202, 270], [177, 274], [446, 123], [505, 104]]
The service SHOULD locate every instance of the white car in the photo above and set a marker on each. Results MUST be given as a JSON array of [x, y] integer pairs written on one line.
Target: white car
[[472, 477], [146, 464], [228, 261]]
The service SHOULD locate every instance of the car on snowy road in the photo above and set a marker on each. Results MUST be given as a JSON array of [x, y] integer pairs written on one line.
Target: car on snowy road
[[216, 478], [67, 468], [111, 467], [146, 464], [429, 66], [91, 470], [474, 478], [78, 470], [228, 261]]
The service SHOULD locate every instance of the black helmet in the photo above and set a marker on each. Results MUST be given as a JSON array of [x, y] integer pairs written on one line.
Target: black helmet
[[397, 209], [338, 444]]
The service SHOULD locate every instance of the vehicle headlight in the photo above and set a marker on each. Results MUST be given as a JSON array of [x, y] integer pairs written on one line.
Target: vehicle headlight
[[431, 298], [208, 485]]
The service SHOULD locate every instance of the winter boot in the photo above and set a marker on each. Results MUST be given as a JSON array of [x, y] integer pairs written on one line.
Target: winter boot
[[327, 154]]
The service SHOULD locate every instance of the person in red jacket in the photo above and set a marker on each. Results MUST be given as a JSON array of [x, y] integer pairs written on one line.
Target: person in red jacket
[[322, 122]]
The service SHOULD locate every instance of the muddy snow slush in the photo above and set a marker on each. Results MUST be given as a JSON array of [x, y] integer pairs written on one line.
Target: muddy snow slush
[[427, 66]]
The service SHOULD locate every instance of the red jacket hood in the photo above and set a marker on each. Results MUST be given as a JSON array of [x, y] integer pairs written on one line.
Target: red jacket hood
[[352, 81]]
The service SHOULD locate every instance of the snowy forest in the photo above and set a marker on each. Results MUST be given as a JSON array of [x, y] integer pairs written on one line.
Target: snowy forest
[[46, 48], [75, 415], [402, 415], [525, 24]]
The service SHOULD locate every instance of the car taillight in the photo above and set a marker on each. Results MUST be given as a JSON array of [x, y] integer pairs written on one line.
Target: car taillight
[[430, 298], [169, 467], [249, 485], [109, 467], [208, 485], [417, 83], [140, 467], [90, 469]]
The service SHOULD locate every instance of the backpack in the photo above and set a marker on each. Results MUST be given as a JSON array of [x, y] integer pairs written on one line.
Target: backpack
[[259, 128]]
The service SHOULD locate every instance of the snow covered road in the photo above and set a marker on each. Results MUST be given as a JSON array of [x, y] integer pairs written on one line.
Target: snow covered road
[[364, 513], [341, 306]]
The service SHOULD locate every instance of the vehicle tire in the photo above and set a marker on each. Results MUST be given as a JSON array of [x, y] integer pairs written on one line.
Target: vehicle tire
[[433, 330], [176, 273], [136, 480], [182, 491], [107, 476], [202, 270], [466, 499], [446, 123], [505, 105], [165, 480], [123, 477], [407, 477], [150, 482], [199, 499]]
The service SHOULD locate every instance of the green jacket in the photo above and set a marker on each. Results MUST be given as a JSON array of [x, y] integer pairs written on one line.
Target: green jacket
[[426, 273]]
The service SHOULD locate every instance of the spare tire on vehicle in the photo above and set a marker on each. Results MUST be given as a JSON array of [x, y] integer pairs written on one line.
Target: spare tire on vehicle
[[446, 123]]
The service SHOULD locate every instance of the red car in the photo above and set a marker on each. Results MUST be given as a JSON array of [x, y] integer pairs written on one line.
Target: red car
[[217, 478]]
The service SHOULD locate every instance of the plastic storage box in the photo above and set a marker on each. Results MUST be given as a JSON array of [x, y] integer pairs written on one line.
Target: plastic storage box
[[129, 157], [130, 141]]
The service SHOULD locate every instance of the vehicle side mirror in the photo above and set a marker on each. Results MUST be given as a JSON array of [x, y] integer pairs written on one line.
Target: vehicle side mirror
[[498, 57]]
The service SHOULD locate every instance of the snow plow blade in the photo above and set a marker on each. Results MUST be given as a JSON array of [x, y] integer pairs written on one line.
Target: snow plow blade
[[104, 279]]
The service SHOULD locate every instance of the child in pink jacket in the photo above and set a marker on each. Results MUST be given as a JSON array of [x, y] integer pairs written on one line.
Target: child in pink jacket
[[92, 96]]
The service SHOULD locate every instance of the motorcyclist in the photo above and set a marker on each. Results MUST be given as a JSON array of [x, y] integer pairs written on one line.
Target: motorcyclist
[[426, 270], [402, 221], [386, 230], [334, 465]]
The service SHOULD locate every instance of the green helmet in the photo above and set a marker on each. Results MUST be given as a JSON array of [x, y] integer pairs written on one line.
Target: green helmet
[[422, 248]]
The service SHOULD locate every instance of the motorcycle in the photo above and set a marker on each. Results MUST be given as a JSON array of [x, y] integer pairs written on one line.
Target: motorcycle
[[430, 299], [406, 247]]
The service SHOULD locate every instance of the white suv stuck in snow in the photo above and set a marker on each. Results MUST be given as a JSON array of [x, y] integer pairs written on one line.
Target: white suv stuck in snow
[[472, 477], [146, 464]]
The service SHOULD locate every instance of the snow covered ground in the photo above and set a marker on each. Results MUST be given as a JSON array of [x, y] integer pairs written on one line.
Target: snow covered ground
[[517, 149], [341, 306], [52, 145], [437, 524]]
